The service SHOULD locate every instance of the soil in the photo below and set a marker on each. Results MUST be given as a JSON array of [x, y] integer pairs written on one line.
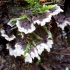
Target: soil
[[57, 59]]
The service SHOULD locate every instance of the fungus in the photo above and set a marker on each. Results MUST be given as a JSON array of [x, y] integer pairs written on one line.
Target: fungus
[[33, 38]]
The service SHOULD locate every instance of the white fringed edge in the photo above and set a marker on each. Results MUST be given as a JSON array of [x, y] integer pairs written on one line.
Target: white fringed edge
[[3, 34], [22, 29]]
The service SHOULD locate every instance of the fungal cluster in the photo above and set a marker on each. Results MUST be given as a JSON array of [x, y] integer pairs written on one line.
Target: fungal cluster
[[30, 36]]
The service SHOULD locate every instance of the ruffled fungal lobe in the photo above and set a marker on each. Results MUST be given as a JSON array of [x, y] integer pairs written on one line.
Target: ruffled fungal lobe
[[61, 21], [25, 26], [7, 37]]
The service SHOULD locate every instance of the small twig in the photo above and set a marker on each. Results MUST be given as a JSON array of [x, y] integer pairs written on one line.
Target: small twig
[[48, 3], [59, 53], [43, 66], [4, 1]]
